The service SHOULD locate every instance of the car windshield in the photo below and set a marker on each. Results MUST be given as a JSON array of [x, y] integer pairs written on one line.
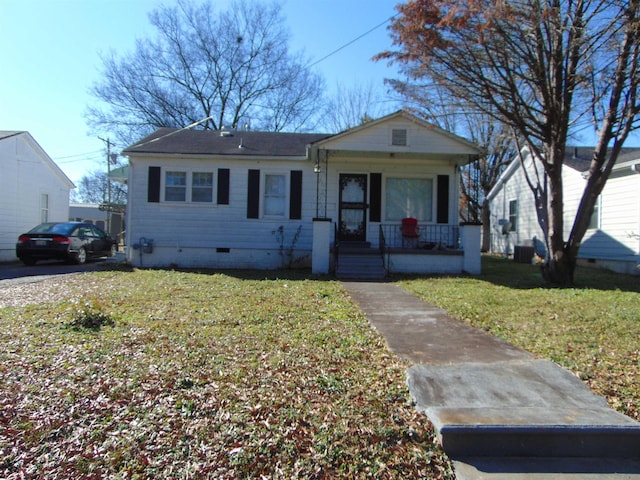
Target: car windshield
[[60, 228]]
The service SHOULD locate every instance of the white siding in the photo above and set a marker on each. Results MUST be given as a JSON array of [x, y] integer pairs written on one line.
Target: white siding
[[516, 188], [615, 244], [27, 174], [617, 238], [419, 140], [188, 234]]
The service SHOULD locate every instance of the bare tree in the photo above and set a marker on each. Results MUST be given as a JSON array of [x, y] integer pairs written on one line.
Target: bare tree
[[92, 188], [352, 106], [541, 67], [232, 68]]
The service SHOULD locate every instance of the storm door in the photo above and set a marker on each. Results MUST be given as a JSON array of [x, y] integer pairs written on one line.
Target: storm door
[[353, 207]]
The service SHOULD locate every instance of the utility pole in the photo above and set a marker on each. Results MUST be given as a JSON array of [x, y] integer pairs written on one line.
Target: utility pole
[[108, 142]]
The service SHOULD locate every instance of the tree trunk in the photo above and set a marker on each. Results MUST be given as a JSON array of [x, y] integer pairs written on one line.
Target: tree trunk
[[486, 226], [560, 268]]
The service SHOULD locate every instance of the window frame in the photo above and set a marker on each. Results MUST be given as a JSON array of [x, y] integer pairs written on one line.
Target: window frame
[[385, 192], [188, 187], [208, 188], [513, 217], [285, 196], [44, 207], [596, 217]]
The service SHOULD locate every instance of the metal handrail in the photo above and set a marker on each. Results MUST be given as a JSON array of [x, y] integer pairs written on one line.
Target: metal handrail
[[384, 249], [431, 237], [336, 242]]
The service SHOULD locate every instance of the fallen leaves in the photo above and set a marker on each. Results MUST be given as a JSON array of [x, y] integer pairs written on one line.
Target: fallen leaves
[[204, 376]]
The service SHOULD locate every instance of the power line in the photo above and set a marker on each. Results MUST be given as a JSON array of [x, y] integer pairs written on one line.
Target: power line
[[93, 157], [353, 41], [78, 155]]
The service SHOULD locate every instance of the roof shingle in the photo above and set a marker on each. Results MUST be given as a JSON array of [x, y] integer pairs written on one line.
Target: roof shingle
[[228, 142]]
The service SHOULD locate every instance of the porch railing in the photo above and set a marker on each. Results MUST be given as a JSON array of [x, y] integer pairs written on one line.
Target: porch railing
[[431, 237]]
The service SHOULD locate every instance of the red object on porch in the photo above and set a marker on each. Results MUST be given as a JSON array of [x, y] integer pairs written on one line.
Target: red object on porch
[[409, 228]]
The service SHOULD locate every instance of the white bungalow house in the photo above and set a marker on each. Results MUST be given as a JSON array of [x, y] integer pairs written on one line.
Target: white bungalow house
[[613, 239], [247, 199], [33, 189]]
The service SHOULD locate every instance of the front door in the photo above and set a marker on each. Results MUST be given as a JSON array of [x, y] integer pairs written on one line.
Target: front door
[[353, 207]]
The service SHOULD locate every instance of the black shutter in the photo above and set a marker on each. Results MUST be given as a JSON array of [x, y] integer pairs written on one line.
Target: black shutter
[[443, 199], [295, 195], [223, 186], [253, 194], [153, 186], [375, 197]]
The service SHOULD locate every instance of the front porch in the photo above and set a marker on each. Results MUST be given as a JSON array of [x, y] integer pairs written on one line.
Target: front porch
[[439, 248]]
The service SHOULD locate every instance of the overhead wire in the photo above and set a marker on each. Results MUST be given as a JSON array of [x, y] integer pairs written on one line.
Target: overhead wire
[[351, 42]]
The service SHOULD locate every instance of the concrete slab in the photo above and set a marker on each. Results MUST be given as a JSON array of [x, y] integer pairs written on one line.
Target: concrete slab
[[423, 333], [516, 383]]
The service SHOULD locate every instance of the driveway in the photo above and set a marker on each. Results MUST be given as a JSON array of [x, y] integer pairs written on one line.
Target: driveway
[[15, 273]]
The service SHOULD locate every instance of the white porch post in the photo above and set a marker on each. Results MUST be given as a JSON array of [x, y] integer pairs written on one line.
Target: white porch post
[[470, 236], [321, 247]]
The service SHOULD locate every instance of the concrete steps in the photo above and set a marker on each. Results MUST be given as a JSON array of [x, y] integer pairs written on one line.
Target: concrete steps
[[357, 261], [362, 264], [523, 412]]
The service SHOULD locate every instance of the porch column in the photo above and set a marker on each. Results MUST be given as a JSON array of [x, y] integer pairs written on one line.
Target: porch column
[[470, 237], [321, 247]]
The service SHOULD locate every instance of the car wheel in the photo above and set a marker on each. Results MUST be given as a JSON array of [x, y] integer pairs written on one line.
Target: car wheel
[[81, 256], [28, 261], [113, 251]]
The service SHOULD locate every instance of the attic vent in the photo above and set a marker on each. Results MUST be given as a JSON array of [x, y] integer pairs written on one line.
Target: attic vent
[[399, 136]]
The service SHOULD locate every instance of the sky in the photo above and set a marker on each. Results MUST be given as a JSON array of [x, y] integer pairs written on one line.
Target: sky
[[51, 58]]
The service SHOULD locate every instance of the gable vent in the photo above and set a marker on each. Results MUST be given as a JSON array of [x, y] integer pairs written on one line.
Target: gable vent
[[399, 136]]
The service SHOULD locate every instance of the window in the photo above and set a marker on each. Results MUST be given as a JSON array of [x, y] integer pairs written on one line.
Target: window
[[195, 187], [275, 194], [513, 215], [399, 136], [594, 221], [202, 187], [44, 207], [175, 187], [409, 197]]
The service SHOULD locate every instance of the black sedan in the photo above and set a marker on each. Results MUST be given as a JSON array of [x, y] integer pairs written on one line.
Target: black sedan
[[71, 241]]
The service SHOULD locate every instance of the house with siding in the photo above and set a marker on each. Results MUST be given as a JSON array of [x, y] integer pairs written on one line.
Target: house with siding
[[613, 238], [248, 199], [33, 189]]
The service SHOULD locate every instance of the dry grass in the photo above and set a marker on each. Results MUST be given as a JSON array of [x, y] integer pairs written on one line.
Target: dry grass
[[158, 374]]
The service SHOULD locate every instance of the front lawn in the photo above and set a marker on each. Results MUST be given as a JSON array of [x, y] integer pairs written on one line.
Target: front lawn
[[592, 330], [160, 374]]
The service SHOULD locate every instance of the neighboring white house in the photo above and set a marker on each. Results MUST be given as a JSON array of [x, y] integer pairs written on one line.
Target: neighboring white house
[[247, 199], [33, 189], [613, 239]]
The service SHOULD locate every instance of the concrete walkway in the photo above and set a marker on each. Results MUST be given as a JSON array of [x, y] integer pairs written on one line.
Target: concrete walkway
[[499, 412]]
